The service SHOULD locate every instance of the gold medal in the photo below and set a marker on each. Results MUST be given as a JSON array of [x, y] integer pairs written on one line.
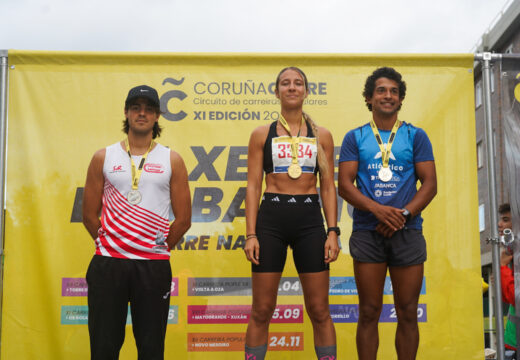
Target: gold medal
[[294, 171]]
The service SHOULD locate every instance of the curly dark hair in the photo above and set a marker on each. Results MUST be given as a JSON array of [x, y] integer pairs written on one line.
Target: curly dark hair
[[386, 72], [156, 131], [504, 208]]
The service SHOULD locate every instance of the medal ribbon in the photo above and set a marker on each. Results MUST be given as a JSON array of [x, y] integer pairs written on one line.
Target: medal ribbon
[[136, 173], [295, 140], [385, 153]]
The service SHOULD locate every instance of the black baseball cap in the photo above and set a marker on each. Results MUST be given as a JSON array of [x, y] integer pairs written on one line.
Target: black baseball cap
[[143, 91]]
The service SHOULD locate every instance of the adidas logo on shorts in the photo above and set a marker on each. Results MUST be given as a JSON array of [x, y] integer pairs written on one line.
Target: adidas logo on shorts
[[308, 200], [275, 199], [291, 200]]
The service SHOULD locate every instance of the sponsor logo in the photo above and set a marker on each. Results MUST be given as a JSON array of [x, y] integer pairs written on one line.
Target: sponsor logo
[[308, 200], [153, 168], [385, 185], [275, 199], [392, 167], [117, 168], [169, 95], [378, 155], [378, 193], [291, 200]]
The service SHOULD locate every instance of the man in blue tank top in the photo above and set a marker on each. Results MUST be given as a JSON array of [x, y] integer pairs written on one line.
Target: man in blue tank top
[[380, 164]]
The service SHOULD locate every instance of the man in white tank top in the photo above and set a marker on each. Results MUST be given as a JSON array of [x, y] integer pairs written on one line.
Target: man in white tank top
[[133, 184]]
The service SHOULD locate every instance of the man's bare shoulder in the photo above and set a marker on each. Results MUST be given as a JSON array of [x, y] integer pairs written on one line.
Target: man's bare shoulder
[[175, 156], [176, 160], [99, 156]]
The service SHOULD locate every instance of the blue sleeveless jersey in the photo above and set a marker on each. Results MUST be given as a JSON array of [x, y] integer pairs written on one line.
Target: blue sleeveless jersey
[[411, 145]]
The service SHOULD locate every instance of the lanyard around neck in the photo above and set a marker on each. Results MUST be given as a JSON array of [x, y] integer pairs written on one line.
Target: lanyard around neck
[[385, 153], [295, 140], [136, 173]]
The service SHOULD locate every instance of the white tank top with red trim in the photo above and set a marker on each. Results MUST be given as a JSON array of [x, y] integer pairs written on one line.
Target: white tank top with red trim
[[135, 231]]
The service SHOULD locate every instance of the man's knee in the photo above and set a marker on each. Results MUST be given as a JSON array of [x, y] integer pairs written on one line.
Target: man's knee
[[406, 313], [369, 313]]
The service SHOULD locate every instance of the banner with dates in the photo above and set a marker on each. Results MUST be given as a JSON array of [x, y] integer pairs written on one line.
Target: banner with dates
[[65, 106]]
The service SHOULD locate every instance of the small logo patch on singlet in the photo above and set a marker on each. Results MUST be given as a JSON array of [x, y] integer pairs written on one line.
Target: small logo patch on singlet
[[117, 168], [153, 168]]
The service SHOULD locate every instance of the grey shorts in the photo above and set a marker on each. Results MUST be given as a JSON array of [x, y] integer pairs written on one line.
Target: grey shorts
[[404, 248]]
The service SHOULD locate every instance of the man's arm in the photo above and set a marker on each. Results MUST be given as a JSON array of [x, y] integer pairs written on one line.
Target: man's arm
[[93, 193], [180, 200], [427, 176], [387, 215]]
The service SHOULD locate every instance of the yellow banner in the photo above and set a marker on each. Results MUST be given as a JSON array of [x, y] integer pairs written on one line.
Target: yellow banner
[[65, 106]]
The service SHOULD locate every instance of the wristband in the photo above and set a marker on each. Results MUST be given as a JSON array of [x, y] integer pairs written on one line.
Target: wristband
[[335, 229]]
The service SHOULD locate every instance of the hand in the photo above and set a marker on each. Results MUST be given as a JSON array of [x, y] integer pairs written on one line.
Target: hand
[[390, 216], [252, 250], [505, 258], [331, 247], [384, 230]]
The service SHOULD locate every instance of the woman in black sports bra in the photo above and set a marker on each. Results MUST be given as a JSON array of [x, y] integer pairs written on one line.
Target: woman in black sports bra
[[291, 152]]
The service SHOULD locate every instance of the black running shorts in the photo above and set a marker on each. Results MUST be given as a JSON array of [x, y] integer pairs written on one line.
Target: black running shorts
[[404, 248], [290, 220]]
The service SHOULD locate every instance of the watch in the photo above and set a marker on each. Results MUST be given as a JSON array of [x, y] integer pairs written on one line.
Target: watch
[[406, 213], [335, 229]]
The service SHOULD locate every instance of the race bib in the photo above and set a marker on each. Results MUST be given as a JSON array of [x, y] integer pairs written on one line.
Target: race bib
[[282, 154]]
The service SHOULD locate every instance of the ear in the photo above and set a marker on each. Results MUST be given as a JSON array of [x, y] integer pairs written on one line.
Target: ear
[[277, 93]]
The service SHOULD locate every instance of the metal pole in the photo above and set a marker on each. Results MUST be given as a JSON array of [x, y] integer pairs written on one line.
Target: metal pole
[[495, 245], [3, 130], [491, 306], [514, 170]]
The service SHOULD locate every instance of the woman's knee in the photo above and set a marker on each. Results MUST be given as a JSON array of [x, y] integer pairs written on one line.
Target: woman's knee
[[318, 313], [262, 313]]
